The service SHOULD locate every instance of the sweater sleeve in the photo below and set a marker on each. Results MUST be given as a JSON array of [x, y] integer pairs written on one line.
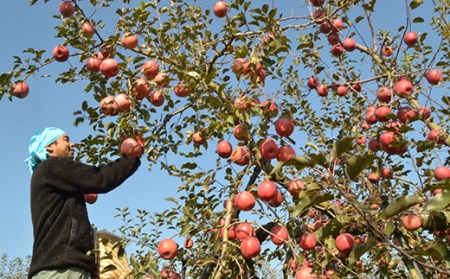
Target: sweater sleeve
[[71, 176]]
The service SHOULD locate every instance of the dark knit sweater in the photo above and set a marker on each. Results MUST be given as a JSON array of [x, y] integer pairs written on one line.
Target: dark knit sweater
[[62, 231]]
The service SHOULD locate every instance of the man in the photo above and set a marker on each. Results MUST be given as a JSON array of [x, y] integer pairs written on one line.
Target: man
[[62, 232]]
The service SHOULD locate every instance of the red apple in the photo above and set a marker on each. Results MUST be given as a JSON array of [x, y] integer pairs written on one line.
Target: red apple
[[109, 67], [374, 177], [250, 247], [277, 200], [188, 243], [132, 148], [317, 3], [313, 83], [424, 112], [344, 243], [267, 190], [374, 145], [93, 64], [383, 113], [387, 51], [337, 50], [322, 90], [244, 230], [325, 27], [197, 138], [244, 201], [384, 94], [237, 66], [156, 98], [342, 90], [305, 273], [361, 140], [60, 53], [386, 172], [21, 90], [123, 102], [337, 25], [109, 106], [269, 149], [162, 79], [319, 15], [241, 132], [181, 90], [349, 44], [129, 40], [279, 235], [240, 156], [411, 222], [220, 9], [88, 29], [308, 241], [411, 39], [441, 173], [167, 249], [285, 153], [333, 38], [295, 186], [434, 77], [437, 136], [284, 126], [387, 138], [407, 115], [90, 198], [403, 87], [270, 106], [141, 88], [150, 69], [371, 117], [66, 8], [224, 149]]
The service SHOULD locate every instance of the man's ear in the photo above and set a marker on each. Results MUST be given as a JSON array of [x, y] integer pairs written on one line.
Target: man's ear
[[49, 148]]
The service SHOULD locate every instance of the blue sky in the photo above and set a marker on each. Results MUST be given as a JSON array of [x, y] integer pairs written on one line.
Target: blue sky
[[50, 104]]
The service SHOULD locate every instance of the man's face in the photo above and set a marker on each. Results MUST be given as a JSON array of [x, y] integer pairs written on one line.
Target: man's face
[[62, 147]]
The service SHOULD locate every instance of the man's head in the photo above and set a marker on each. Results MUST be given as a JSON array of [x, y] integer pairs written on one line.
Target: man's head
[[47, 142]]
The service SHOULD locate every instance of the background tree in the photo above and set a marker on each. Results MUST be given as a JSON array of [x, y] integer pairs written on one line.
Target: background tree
[[332, 130]]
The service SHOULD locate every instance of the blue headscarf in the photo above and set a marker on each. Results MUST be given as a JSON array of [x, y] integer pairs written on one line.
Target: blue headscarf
[[38, 143]]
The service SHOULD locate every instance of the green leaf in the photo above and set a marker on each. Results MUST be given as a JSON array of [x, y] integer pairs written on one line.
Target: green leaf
[[361, 249], [299, 162], [32, 2], [319, 159], [331, 228], [400, 205], [307, 202], [439, 202], [189, 166], [341, 147], [418, 20], [186, 229], [358, 19], [437, 250], [172, 200], [415, 4], [356, 164]]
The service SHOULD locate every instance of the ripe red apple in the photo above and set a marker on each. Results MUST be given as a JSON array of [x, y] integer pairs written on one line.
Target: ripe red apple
[[308, 241], [279, 235], [244, 230], [224, 149], [305, 273], [60, 53], [90, 198], [277, 200], [220, 9], [403, 88], [436, 135], [322, 90], [150, 69], [407, 115], [333, 38], [141, 88], [386, 172], [337, 50], [162, 79], [337, 25], [267, 190], [269, 149], [241, 132], [250, 247], [387, 138], [156, 98], [240, 156], [132, 148], [88, 29], [244, 201], [238, 65], [295, 186], [349, 44], [167, 249], [441, 173], [387, 51], [374, 177], [93, 64], [284, 126], [129, 40], [361, 140], [197, 138], [188, 243], [181, 90], [411, 39], [109, 106], [123, 102], [383, 113], [342, 90], [424, 112], [411, 222], [434, 77], [285, 153], [313, 83], [319, 15], [317, 3], [371, 117], [344, 243], [270, 107], [384, 94], [109, 67], [374, 145], [66, 8], [325, 27], [21, 90]]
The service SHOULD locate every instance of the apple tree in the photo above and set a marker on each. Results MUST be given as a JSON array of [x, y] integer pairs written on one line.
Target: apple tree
[[310, 138]]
